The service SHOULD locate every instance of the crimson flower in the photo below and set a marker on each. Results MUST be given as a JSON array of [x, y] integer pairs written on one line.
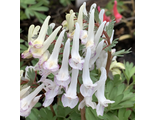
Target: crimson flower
[[116, 13]]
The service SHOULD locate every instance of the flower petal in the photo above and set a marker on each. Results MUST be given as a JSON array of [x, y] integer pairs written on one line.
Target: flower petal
[[70, 102], [99, 109]]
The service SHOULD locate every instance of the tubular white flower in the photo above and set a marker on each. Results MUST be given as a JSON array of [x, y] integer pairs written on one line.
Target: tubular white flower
[[70, 98], [37, 52], [23, 92], [63, 77], [111, 39], [102, 60], [44, 57], [70, 20], [90, 40], [87, 88], [88, 99], [84, 36], [102, 101], [98, 51], [80, 15], [29, 101], [88, 102], [101, 15], [99, 33], [93, 6], [38, 43], [51, 91], [85, 11], [31, 33], [76, 62], [52, 62]]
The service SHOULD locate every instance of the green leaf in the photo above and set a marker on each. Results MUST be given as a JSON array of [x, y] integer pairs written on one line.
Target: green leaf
[[41, 8], [124, 114], [121, 113], [33, 115], [34, 61], [90, 115], [132, 72], [38, 105], [75, 116], [121, 88], [31, 76], [117, 100], [110, 27], [28, 1], [113, 93], [21, 40], [111, 116], [22, 15], [114, 42], [23, 47], [49, 31], [96, 14], [127, 104], [40, 16], [29, 12], [121, 53], [128, 113]]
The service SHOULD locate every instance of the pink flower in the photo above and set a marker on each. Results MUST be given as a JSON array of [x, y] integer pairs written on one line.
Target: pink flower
[[116, 13]]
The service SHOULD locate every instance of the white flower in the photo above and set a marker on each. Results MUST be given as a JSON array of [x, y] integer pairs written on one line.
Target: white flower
[[31, 33], [70, 21], [63, 78], [98, 51], [87, 88], [88, 102], [76, 61], [37, 52], [102, 11], [52, 62], [88, 99], [38, 43], [27, 103], [70, 98], [51, 91], [90, 38], [102, 60], [80, 15], [102, 101]]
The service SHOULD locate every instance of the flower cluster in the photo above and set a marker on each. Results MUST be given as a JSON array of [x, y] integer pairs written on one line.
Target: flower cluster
[[83, 51]]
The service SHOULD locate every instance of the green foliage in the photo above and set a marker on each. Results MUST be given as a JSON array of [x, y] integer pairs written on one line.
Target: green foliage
[[117, 91], [110, 27], [49, 31], [62, 113], [31, 8], [42, 114], [129, 71], [114, 42], [65, 2], [31, 75], [96, 14], [121, 52], [23, 45]]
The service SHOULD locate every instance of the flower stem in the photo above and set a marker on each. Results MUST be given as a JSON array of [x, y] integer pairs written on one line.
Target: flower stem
[[82, 110], [52, 110]]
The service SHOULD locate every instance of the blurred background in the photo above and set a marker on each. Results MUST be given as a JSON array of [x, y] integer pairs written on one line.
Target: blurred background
[[35, 11]]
